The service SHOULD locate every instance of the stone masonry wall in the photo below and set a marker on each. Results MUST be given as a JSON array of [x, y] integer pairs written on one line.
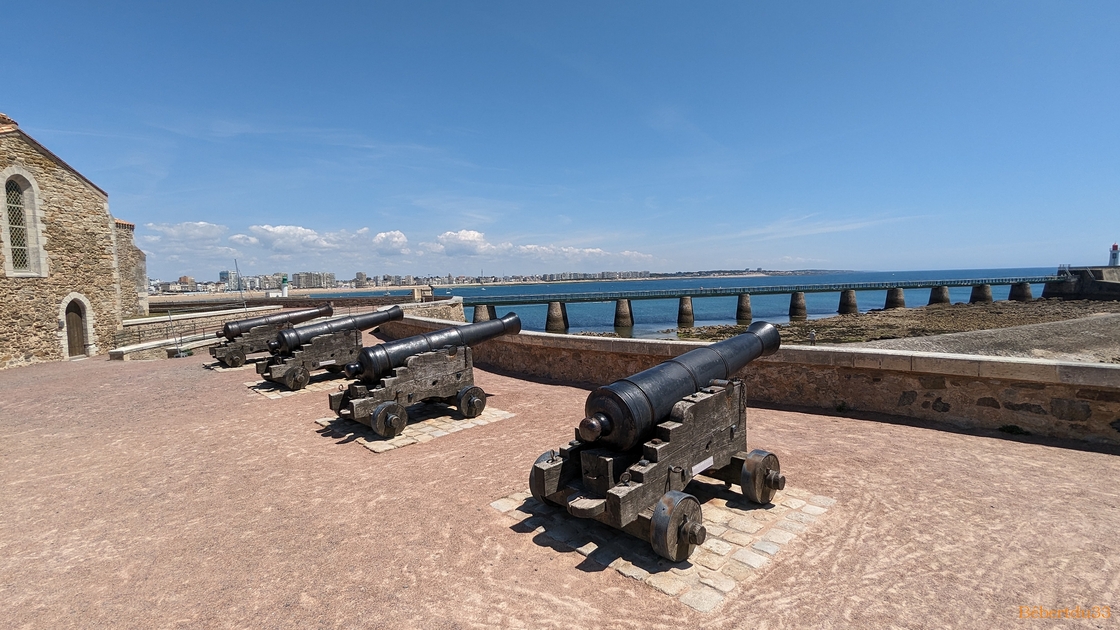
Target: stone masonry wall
[[78, 231], [154, 328], [133, 270], [1053, 398]]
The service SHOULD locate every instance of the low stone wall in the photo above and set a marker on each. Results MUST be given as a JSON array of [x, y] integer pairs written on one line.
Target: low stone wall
[[146, 329], [162, 303], [1053, 398]]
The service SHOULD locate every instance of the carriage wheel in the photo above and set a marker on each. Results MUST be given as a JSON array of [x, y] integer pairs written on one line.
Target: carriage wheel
[[761, 476], [389, 419], [471, 401], [677, 526]]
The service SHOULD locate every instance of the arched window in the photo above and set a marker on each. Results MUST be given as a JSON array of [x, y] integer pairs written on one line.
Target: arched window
[[17, 226], [21, 226]]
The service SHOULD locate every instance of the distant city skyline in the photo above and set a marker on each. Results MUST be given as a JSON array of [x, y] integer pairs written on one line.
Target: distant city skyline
[[520, 139]]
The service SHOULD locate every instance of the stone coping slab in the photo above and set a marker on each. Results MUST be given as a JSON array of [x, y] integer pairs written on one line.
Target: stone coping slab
[[743, 540], [252, 311], [427, 421]]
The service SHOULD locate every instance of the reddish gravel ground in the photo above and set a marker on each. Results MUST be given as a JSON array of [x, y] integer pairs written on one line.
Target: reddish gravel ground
[[161, 494]]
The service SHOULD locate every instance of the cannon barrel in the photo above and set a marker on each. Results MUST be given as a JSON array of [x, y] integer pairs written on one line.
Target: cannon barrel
[[292, 339], [623, 414], [375, 362], [233, 330]]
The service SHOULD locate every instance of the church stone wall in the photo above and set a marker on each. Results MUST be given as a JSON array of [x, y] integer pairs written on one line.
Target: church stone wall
[[79, 241]]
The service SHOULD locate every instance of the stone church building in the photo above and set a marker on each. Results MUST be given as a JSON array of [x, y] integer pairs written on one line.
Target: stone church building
[[70, 272]]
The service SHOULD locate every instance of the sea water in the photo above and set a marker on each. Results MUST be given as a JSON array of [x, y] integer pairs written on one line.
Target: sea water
[[657, 318]]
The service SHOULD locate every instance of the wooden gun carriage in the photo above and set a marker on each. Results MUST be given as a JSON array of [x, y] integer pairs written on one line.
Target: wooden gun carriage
[[429, 367], [645, 437], [328, 345], [250, 336]]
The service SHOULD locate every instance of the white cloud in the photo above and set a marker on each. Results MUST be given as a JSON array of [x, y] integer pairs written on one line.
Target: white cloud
[[288, 239], [389, 243], [465, 242], [188, 231], [244, 239], [186, 242]]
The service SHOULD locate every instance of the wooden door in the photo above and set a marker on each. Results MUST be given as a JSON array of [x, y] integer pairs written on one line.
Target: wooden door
[[75, 330]]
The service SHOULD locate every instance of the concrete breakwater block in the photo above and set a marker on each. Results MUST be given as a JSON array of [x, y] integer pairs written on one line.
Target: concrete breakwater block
[[427, 421], [743, 540]]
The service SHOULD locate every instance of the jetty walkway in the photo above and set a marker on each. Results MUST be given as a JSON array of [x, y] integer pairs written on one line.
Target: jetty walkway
[[557, 321]]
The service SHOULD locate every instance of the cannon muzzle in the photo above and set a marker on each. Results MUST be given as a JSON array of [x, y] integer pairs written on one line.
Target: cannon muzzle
[[623, 414], [233, 330], [376, 362], [292, 339]]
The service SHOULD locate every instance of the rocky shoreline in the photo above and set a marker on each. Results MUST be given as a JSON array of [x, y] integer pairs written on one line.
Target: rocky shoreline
[[925, 321]]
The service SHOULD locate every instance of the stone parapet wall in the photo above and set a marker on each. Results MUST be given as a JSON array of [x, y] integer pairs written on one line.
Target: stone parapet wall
[[162, 303], [1053, 398], [447, 309], [137, 331], [152, 328]]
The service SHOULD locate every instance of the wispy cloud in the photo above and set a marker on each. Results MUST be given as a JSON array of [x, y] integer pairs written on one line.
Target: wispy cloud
[[185, 242], [808, 225], [188, 230], [470, 243], [477, 209]]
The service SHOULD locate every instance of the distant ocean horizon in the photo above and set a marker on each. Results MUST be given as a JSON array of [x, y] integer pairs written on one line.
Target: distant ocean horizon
[[653, 317]]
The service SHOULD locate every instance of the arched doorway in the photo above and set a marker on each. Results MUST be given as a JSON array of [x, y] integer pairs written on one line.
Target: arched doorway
[[75, 329]]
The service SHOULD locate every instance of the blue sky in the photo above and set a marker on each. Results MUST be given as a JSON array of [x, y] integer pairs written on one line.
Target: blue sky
[[414, 137]]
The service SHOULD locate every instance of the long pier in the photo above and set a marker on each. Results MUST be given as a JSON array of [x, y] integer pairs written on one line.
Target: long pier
[[557, 320]]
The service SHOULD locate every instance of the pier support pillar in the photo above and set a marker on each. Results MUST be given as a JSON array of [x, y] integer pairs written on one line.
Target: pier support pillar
[[623, 316], [684, 313], [797, 310], [484, 313], [743, 309], [896, 298], [939, 295], [981, 293], [848, 304], [557, 321], [1021, 292]]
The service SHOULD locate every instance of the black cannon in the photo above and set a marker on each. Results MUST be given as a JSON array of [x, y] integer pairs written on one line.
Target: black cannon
[[429, 367], [326, 345], [645, 437], [249, 336]]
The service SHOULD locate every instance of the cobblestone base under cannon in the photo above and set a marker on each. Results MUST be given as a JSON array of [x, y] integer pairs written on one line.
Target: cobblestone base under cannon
[[429, 422], [744, 540]]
